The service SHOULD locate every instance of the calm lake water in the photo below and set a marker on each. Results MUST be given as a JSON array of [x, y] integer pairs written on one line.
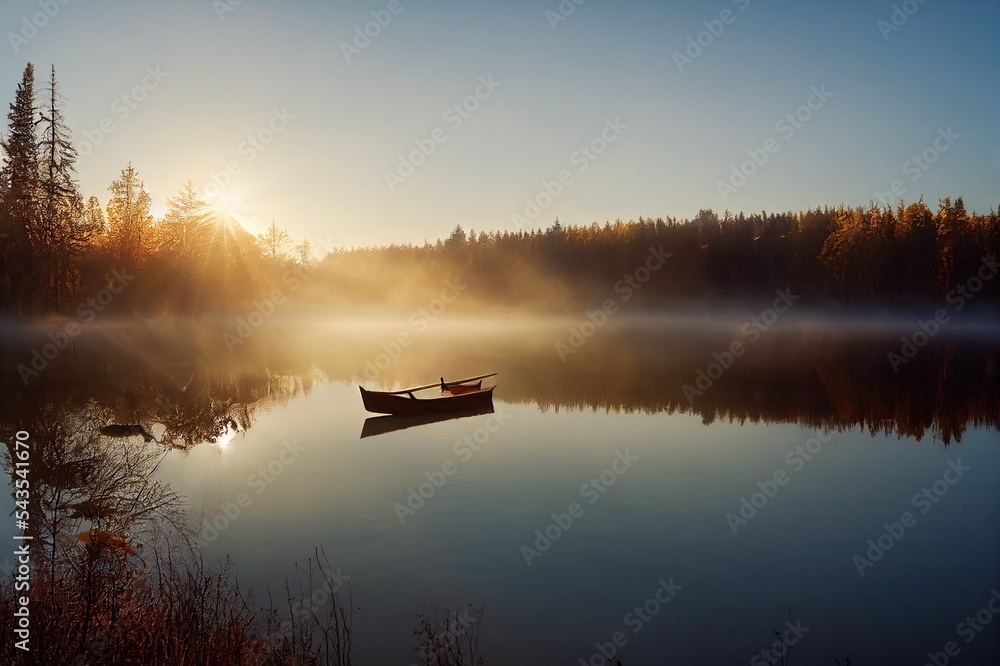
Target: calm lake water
[[597, 503]]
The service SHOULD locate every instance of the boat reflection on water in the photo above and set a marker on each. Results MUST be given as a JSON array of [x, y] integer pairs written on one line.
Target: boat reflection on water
[[381, 425]]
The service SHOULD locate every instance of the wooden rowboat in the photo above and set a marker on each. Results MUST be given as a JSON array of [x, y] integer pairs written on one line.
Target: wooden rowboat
[[459, 396], [409, 405]]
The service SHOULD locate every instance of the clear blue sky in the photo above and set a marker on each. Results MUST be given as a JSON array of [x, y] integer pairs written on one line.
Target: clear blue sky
[[324, 174]]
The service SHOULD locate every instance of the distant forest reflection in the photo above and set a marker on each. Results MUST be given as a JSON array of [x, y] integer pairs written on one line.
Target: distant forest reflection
[[173, 379]]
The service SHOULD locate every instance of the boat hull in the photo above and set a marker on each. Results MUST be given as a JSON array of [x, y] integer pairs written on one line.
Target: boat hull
[[402, 405]]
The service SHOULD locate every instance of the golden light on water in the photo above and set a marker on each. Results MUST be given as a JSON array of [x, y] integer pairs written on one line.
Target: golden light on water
[[223, 441]]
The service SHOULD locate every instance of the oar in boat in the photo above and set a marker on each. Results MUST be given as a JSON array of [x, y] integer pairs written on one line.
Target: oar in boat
[[430, 386]]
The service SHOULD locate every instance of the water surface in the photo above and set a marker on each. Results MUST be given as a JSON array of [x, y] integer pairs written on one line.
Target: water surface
[[819, 408]]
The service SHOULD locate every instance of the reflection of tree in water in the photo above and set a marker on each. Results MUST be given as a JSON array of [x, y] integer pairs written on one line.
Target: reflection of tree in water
[[95, 512], [801, 374], [213, 403], [168, 385], [115, 577], [186, 387]]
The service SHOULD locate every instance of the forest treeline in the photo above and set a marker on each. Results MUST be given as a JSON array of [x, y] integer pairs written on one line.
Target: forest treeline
[[58, 248], [879, 256]]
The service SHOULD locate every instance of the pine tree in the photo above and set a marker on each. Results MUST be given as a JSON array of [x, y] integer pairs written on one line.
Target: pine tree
[[64, 233], [304, 252], [952, 224], [129, 220], [19, 176], [93, 217], [456, 241], [274, 241], [186, 221]]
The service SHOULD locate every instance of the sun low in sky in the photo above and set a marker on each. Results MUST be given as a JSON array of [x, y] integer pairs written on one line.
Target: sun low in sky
[[396, 120], [232, 203]]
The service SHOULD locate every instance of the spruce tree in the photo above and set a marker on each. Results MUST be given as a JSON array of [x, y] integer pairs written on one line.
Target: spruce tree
[[186, 221], [63, 230], [19, 176], [129, 221]]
